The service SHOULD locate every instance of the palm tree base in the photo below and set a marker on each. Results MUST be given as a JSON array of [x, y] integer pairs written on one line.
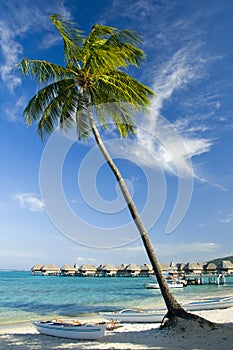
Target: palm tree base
[[174, 319]]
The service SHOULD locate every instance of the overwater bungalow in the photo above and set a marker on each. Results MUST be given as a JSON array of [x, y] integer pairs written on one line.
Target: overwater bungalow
[[87, 270], [36, 269], [192, 268], [121, 270], [225, 266], [50, 270], [146, 270], [68, 270], [209, 268], [107, 270], [132, 270]]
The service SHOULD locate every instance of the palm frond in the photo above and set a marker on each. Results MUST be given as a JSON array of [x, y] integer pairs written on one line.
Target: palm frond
[[121, 113], [98, 33], [72, 37], [82, 123], [107, 47], [94, 66], [118, 86], [42, 71], [126, 41], [58, 104]]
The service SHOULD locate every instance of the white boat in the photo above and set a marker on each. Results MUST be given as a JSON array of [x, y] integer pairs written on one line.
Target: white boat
[[177, 284], [70, 330], [157, 315], [135, 315], [209, 303]]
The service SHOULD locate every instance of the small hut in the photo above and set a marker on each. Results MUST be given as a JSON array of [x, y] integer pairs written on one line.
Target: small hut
[[68, 270], [87, 270], [109, 270], [192, 268], [36, 269], [146, 270], [225, 266], [50, 270], [209, 268], [132, 270]]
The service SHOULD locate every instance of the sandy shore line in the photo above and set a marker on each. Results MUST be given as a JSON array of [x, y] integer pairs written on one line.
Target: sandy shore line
[[131, 336]]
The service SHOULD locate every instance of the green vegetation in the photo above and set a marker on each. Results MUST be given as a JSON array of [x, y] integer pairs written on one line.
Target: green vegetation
[[219, 260]]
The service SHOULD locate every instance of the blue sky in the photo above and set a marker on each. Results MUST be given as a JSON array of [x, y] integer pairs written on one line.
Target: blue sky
[[182, 151]]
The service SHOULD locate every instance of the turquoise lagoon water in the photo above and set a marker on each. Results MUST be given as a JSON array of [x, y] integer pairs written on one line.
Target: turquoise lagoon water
[[24, 297]]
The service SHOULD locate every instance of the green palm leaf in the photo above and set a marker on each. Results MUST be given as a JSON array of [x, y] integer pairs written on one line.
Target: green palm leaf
[[94, 74], [72, 37]]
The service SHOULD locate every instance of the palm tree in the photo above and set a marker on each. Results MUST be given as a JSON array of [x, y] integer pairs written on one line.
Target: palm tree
[[94, 83]]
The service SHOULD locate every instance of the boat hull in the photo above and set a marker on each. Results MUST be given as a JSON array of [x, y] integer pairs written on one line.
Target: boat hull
[[209, 304], [157, 315], [134, 316], [156, 285], [70, 331]]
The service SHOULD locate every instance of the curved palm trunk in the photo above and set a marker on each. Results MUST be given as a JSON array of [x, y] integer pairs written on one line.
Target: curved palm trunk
[[174, 308]]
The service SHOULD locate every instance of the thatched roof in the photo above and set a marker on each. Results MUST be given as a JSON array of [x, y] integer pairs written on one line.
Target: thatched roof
[[146, 267], [201, 264], [133, 267], [122, 267], [225, 265], [210, 266], [68, 267], [109, 267], [164, 266], [88, 267], [50, 267], [37, 267], [192, 266]]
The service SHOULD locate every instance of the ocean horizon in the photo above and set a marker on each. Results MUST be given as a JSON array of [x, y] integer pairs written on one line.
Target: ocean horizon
[[24, 296]]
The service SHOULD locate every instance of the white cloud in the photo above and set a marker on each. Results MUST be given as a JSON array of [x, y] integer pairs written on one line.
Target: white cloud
[[50, 40], [10, 51], [82, 260], [172, 144], [30, 201], [12, 112], [227, 219], [174, 74], [15, 22]]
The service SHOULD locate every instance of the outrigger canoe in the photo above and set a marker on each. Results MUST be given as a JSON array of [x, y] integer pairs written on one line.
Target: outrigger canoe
[[209, 303], [70, 330], [157, 315], [135, 316]]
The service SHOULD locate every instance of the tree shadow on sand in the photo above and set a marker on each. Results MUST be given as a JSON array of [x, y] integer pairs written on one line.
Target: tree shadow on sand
[[184, 337]]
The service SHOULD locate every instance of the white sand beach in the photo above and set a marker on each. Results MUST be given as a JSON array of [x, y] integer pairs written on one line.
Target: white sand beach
[[132, 336]]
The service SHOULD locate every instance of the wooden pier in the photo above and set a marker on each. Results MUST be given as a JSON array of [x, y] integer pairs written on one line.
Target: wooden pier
[[205, 279]]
